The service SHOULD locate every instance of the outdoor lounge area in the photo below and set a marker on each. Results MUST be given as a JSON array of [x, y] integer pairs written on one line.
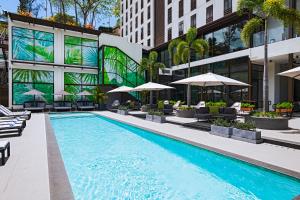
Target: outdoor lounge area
[[150, 100]]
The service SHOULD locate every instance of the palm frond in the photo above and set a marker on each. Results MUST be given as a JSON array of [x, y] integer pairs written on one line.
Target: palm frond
[[249, 5], [173, 45], [249, 28], [181, 47], [191, 35], [200, 46], [185, 55]]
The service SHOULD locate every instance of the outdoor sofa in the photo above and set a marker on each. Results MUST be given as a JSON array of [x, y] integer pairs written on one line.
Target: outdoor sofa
[[35, 106], [62, 105], [203, 113], [85, 105], [228, 114]]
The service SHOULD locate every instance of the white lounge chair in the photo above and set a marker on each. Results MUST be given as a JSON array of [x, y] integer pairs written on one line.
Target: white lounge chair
[[7, 112], [237, 107], [201, 104], [115, 104], [176, 105]]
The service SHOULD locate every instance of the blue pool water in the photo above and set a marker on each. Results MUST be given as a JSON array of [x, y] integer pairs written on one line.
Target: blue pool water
[[105, 159]]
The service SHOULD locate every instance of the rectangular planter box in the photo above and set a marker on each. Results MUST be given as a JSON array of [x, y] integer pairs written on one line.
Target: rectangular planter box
[[122, 112], [247, 136], [159, 119], [155, 118], [221, 131]]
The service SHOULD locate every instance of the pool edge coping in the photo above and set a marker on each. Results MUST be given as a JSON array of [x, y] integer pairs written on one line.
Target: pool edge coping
[[59, 184], [248, 160]]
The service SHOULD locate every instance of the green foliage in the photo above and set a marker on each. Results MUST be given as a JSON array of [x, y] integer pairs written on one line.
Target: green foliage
[[222, 122], [249, 126], [247, 105], [249, 29], [151, 65], [219, 104], [284, 105], [183, 108], [122, 107], [64, 18], [266, 114], [99, 96], [155, 112], [160, 105]]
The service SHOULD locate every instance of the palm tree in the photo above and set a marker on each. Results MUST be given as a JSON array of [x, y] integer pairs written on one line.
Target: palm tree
[[264, 11], [151, 65], [181, 51]]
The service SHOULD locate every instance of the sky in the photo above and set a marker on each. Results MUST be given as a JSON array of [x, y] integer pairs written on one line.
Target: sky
[[12, 6]]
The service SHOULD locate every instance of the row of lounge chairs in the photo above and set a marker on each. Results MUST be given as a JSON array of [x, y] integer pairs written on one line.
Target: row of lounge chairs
[[203, 113], [40, 106]]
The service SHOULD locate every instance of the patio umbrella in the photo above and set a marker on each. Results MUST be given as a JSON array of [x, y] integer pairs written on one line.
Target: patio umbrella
[[34, 92], [84, 93], [121, 89], [210, 79], [150, 86], [63, 93], [292, 73]]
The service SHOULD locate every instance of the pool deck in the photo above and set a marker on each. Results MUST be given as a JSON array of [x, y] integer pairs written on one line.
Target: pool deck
[[25, 174], [282, 159]]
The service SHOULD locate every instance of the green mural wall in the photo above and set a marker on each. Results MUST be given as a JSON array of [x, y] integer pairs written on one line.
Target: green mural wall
[[81, 51], [32, 45], [78, 82], [25, 80]]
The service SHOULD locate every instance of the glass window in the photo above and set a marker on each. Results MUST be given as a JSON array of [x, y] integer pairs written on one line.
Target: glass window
[[169, 15], [193, 20], [181, 8], [193, 4], [32, 45], [180, 28], [81, 51], [209, 14]]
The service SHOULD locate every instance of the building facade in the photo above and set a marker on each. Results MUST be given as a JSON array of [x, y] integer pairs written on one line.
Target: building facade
[[218, 22], [51, 57]]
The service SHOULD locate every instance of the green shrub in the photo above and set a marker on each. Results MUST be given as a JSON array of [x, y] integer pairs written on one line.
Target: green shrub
[[219, 104], [266, 114], [182, 108], [284, 105], [249, 126], [122, 107], [155, 112], [222, 122], [247, 105]]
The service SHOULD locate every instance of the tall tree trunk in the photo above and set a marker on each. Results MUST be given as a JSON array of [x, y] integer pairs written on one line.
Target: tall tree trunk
[[188, 94], [63, 11], [51, 8], [76, 13], [266, 72]]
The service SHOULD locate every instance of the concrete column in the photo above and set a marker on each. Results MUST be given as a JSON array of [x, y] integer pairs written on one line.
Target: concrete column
[[274, 83]]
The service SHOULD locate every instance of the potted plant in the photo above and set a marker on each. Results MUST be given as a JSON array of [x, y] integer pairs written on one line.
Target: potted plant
[[284, 107], [269, 120], [122, 110], [185, 111], [247, 107], [214, 106], [99, 98], [221, 127], [246, 132], [156, 116]]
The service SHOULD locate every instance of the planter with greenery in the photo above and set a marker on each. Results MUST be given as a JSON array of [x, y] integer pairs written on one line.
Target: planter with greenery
[[156, 116], [214, 106], [222, 128], [99, 98], [246, 132], [284, 107], [122, 110], [270, 120], [247, 107], [185, 112]]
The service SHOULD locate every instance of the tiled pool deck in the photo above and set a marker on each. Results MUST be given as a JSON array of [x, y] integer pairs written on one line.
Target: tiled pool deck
[[26, 173]]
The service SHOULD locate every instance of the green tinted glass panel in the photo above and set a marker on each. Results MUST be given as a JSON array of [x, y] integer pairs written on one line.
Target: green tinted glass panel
[[72, 40], [72, 54], [100, 66], [41, 35], [72, 78], [18, 93], [34, 76], [89, 42], [22, 32], [47, 89], [22, 76], [23, 48], [89, 56], [44, 51], [88, 79], [73, 89]]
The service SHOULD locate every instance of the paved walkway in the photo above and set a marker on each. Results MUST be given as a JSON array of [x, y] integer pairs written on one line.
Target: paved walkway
[[25, 175], [283, 159]]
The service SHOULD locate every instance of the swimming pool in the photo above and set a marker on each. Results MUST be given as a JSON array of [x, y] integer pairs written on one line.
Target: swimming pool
[[105, 159]]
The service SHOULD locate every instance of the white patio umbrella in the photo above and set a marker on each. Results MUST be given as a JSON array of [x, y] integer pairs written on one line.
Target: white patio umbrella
[[34, 92], [63, 94], [84, 93], [210, 79], [121, 89], [292, 73], [150, 86]]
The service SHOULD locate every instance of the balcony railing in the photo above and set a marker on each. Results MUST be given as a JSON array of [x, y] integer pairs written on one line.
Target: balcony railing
[[227, 11], [209, 19]]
